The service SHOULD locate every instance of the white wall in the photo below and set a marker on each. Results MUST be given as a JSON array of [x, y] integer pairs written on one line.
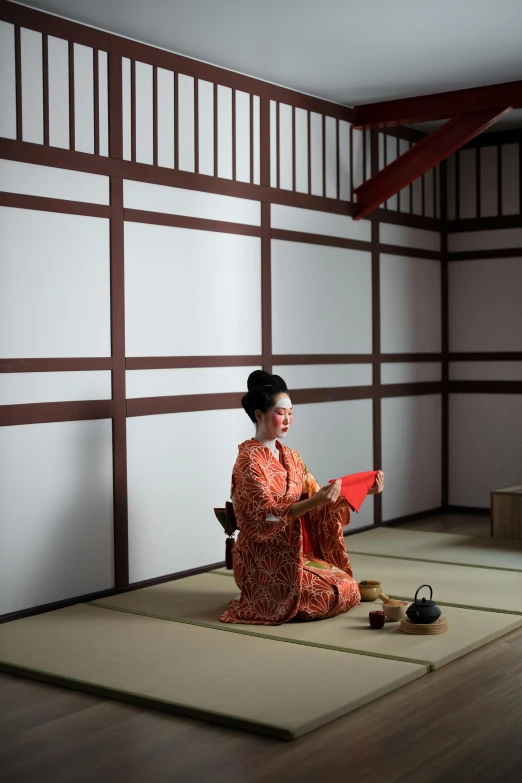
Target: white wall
[[485, 446], [410, 305], [189, 292], [56, 495], [56, 535], [179, 470], [485, 315], [336, 321], [411, 454]]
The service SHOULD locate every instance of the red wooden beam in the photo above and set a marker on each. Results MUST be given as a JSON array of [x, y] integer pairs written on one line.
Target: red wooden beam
[[423, 156], [439, 106]]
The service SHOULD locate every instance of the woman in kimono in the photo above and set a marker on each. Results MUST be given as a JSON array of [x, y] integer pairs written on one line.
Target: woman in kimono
[[290, 561]]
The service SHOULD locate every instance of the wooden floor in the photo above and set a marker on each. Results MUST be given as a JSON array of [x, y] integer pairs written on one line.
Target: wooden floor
[[460, 724]]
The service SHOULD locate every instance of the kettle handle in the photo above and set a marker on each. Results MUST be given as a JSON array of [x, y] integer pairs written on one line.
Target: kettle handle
[[420, 588]]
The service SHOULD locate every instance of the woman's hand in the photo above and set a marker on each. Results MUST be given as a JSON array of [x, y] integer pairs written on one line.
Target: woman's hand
[[328, 494], [378, 487]]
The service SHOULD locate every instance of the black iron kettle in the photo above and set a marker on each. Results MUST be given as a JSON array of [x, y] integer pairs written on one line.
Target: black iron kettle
[[423, 611]]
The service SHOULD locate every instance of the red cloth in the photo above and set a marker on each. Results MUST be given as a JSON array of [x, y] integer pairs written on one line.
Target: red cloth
[[354, 488], [310, 545]]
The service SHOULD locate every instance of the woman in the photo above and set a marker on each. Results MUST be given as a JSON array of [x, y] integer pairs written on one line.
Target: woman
[[290, 560]]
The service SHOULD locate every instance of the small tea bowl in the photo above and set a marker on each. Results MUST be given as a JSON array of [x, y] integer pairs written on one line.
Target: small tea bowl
[[370, 589], [395, 611]]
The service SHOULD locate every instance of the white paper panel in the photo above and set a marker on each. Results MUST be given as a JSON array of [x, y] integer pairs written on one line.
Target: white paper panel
[[189, 380], [126, 106], [257, 140], [485, 371], [173, 490], [485, 446], [451, 187], [56, 509], [103, 103], [55, 293], [7, 81], [331, 157], [206, 127], [273, 144], [337, 321], [186, 160], [144, 111], [368, 173], [316, 147], [410, 305], [224, 111], [391, 234], [510, 180], [344, 161], [58, 56], [28, 387], [429, 200], [83, 98], [48, 181], [485, 312], [32, 86], [391, 155], [411, 454], [416, 196], [301, 150], [242, 136], [495, 239], [286, 147], [335, 439], [404, 195], [193, 203], [488, 182], [410, 372], [166, 119], [468, 183], [191, 293], [310, 221], [324, 376], [381, 143], [357, 157]]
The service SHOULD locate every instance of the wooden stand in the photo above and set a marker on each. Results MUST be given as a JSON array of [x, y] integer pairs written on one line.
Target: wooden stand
[[506, 513]]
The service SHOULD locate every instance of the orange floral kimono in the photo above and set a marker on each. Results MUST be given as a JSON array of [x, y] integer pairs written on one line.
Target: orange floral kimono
[[286, 569]]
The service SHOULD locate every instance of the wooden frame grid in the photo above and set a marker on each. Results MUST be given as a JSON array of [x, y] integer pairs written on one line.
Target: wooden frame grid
[[118, 408]]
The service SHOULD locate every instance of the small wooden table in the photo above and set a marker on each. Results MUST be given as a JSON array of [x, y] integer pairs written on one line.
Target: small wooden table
[[506, 513]]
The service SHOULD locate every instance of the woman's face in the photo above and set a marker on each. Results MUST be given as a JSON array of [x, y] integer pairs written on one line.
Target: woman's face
[[276, 422]]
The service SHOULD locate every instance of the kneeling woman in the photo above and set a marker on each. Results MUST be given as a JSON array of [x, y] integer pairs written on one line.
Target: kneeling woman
[[290, 562]]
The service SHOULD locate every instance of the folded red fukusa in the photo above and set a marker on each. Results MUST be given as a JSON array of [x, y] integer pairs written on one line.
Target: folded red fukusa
[[354, 488]]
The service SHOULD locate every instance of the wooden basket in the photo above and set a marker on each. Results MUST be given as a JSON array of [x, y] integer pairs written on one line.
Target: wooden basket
[[424, 629]]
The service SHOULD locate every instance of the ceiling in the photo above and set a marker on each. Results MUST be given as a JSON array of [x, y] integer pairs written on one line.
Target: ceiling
[[347, 51]]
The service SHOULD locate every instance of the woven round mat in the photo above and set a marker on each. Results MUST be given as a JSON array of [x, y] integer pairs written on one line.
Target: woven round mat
[[424, 629]]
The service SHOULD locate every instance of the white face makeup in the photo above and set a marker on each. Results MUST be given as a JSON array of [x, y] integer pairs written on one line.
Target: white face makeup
[[275, 423]]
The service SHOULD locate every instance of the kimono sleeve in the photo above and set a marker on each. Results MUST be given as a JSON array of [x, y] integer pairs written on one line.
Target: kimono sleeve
[[310, 485], [252, 496]]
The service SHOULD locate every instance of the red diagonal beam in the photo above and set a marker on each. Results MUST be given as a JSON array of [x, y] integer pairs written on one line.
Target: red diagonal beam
[[423, 156], [439, 106]]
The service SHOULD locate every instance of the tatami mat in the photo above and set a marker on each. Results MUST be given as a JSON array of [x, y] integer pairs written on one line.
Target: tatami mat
[[269, 687], [453, 585], [497, 553], [201, 599]]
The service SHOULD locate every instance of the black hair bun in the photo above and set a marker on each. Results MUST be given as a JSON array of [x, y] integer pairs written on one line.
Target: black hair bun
[[258, 378], [263, 388]]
